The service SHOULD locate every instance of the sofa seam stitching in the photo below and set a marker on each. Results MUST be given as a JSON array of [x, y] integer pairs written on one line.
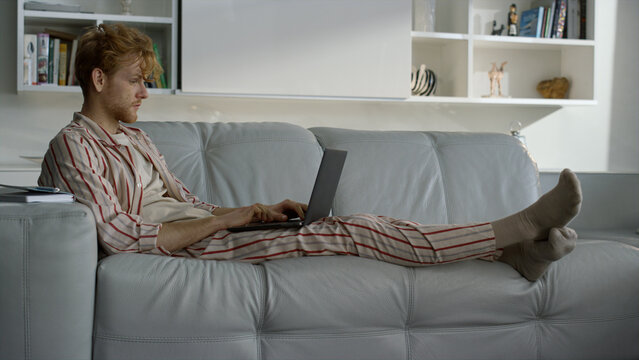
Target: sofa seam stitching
[[141, 339], [221, 144], [411, 308], [344, 335], [475, 328], [204, 164], [242, 337], [262, 313], [25, 289], [378, 141], [461, 144], [336, 335], [436, 147], [542, 307]]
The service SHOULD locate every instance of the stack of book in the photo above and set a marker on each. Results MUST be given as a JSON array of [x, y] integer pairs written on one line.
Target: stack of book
[[555, 19], [33, 194], [49, 59]]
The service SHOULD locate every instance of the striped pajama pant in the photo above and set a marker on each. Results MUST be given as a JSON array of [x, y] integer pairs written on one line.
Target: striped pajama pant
[[377, 237]]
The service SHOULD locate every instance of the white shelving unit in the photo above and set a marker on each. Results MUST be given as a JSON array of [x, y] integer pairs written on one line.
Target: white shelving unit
[[460, 51], [156, 18]]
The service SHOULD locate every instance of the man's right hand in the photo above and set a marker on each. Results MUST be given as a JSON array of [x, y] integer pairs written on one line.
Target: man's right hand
[[249, 214]]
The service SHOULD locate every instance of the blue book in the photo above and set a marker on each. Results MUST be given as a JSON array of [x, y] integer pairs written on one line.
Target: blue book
[[531, 22]]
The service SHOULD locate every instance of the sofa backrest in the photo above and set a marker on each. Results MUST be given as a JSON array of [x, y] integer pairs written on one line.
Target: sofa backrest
[[429, 177]]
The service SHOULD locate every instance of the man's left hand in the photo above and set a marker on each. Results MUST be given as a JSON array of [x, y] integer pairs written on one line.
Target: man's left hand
[[288, 209]]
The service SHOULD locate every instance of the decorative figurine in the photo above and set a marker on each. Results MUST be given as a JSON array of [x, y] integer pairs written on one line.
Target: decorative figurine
[[423, 81], [496, 75], [497, 31], [512, 21]]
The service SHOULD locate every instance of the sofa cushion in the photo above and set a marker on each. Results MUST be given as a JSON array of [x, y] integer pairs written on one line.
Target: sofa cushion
[[432, 177], [486, 176], [153, 307], [237, 164], [391, 173]]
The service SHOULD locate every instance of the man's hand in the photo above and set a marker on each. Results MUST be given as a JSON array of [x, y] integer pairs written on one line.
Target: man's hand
[[289, 209], [262, 213], [180, 234]]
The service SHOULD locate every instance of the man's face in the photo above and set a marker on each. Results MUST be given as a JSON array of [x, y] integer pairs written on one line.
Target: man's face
[[124, 91]]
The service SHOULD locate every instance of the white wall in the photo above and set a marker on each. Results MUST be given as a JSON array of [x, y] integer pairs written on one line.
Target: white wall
[[593, 138], [604, 137]]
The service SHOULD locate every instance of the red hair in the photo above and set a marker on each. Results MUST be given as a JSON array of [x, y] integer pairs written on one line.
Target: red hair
[[108, 47]]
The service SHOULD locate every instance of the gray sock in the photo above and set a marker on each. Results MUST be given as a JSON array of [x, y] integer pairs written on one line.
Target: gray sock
[[532, 258]]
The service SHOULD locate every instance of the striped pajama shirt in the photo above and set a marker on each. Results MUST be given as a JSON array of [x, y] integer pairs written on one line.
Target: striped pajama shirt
[[85, 160]]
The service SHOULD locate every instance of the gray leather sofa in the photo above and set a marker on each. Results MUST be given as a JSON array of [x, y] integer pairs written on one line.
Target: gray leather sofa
[[58, 301]]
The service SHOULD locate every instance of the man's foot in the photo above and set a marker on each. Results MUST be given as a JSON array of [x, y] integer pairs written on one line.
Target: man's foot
[[553, 210], [532, 258]]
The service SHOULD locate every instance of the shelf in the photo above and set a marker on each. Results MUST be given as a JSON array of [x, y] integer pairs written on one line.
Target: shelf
[[460, 51], [525, 43], [161, 27], [29, 14], [500, 42], [501, 101], [459, 100], [76, 89], [433, 37]]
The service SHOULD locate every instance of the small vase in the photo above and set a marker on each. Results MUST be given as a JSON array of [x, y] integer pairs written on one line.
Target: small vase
[[126, 6], [424, 15]]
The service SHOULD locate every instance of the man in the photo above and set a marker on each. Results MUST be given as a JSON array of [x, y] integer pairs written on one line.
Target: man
[[140, 206]]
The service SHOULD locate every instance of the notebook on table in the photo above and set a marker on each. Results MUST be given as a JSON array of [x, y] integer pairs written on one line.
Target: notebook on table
[[321, 201]]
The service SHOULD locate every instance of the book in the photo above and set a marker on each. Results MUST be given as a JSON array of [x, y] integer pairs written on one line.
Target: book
[[531, 22], [43, 57], [555, 18], [572, 19], [31, 194], [50, 62], [30, 74], [160, 78], [544, 23], [60, 34], [582, 22], [62, 79], [45, 6], [55, 73], [550, 20], [35, 197], [561, 19], [71, 76]]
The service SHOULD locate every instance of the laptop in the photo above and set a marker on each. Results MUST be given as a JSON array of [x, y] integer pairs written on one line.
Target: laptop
[[319, 206]]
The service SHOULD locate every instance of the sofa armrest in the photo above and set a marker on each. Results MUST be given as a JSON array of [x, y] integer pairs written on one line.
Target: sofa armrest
[[610, 210], [48, 259]]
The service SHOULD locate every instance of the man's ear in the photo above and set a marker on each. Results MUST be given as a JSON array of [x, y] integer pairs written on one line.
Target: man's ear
[[98, 78]]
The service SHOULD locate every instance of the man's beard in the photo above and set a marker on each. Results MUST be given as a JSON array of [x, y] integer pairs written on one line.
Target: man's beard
[[124, 114]]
